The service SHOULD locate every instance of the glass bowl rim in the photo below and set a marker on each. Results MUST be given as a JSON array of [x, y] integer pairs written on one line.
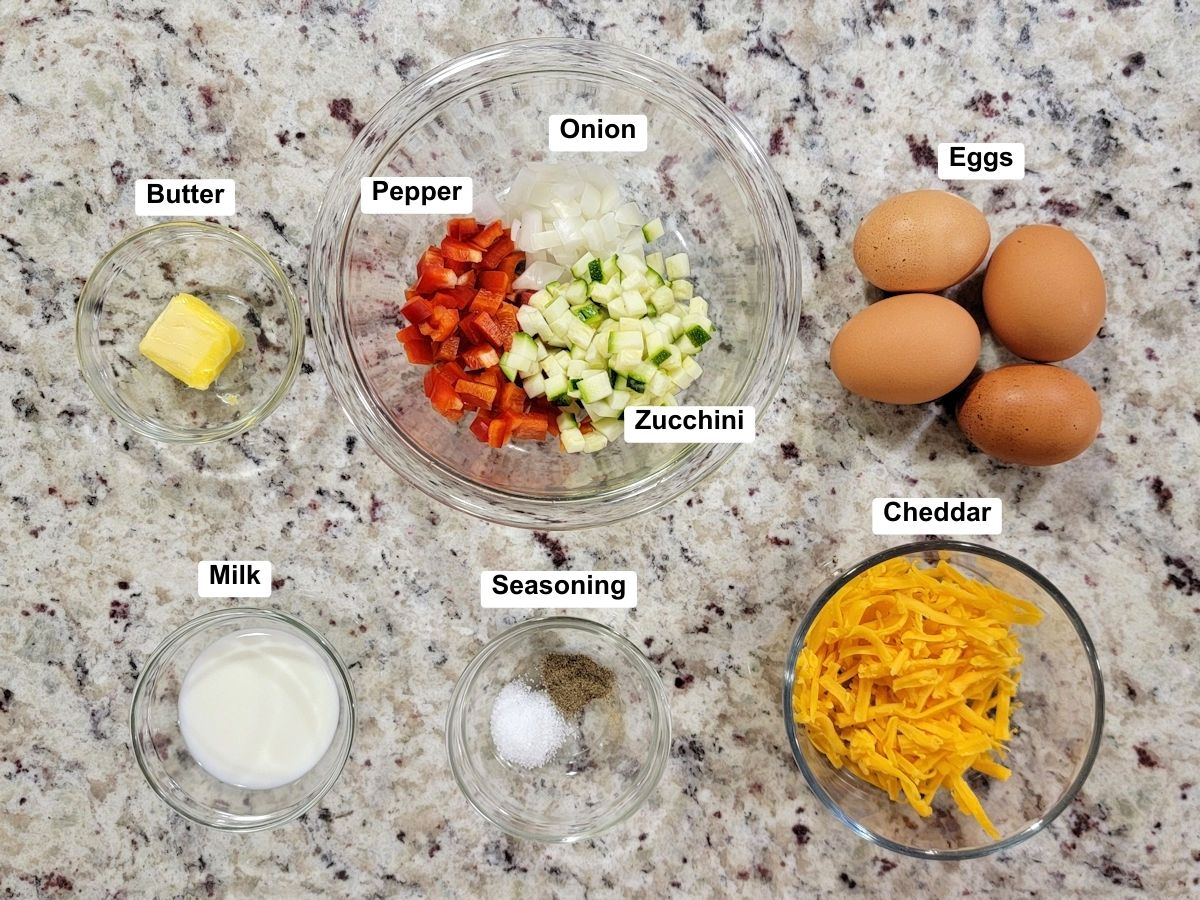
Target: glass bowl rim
[[404, 111], [1069, 793], [88, 357], [659, 704], [201, 623]]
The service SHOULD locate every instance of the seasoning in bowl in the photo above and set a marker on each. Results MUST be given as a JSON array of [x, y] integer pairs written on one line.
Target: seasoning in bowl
[[531, 722], [908, 680]]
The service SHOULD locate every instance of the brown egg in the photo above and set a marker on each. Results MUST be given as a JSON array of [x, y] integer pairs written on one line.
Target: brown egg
[[921, 241], [1043, 293], [910, 348], [1030, 414]]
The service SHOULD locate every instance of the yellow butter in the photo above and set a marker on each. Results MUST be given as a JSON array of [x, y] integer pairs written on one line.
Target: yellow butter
[[191, 341]]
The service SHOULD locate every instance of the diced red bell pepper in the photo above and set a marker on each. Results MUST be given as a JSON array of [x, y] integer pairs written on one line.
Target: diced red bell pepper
[[436, 278], [417, 310], [479, 427], [474, 394], [462, 228], [487, 301], [585, 427], [430, 259], [443, 322], [488, 236], [496, 281], [510, 263], [491, 330], [499, 431], [491, 376], [448, 349], [446, 298], [459, 268], [432, 377], [480, 356], [417, 347], [451, 371], [510, 397], [528, 426], [460, 251], [469, 326], [506, 318], [496, 252], [446, 401], [467, 279]]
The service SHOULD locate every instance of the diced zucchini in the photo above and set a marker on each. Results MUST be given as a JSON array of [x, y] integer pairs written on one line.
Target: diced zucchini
[[681, 289], [573, 440], [653, 230], [583, 267], [534, 385], [677, 266], [655, 263], [698, 335], [507, 367], [595, 387], [611, 428], [594, 441], [589, 314], [556, 389]]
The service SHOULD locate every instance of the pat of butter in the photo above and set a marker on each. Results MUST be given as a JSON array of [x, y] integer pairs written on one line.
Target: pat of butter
[[191, 341]]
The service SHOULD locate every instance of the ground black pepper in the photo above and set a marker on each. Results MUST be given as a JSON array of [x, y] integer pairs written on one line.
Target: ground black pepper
[[573, 680]]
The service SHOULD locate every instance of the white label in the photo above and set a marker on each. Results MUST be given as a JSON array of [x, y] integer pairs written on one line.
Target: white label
[[184, 197], [936, 515], [600, 133], [689, 424], [981, 162], [234, 578], [558, 590], [416, 196]]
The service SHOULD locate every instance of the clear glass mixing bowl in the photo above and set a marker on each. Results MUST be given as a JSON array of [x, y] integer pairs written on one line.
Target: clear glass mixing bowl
[[484, 115], [172, 771], [1058, 725], [608, 767], [132, 284]]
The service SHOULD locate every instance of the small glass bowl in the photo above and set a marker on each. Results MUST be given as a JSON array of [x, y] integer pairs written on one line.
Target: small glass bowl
[[162, 752], [133, 283], [604, 772], [1058, 724]]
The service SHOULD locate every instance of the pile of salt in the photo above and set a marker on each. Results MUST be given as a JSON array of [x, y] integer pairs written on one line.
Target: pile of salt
[[527, 728]]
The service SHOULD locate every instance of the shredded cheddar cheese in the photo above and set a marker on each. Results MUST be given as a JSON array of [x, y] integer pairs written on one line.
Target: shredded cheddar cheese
[[907, 679]]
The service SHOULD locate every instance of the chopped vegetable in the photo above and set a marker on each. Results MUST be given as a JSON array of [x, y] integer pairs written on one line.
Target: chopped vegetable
[[463, 314], [908, 678]]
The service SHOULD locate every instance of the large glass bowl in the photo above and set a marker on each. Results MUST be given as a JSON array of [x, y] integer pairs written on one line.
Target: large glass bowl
[[1058, 724], [484, 115], [609, 765]]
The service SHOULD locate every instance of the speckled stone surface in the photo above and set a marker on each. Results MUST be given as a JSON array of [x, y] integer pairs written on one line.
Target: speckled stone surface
[[103, 529]]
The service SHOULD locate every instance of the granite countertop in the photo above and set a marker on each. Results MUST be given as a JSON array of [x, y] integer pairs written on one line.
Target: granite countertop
[[103, 529]]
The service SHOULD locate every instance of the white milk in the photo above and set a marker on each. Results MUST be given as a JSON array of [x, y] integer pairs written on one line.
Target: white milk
[[258, 709]]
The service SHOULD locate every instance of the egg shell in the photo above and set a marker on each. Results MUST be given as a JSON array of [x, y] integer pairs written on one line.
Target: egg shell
[[921, 241], [911, 348], [1035, 415], [1043, 293]]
